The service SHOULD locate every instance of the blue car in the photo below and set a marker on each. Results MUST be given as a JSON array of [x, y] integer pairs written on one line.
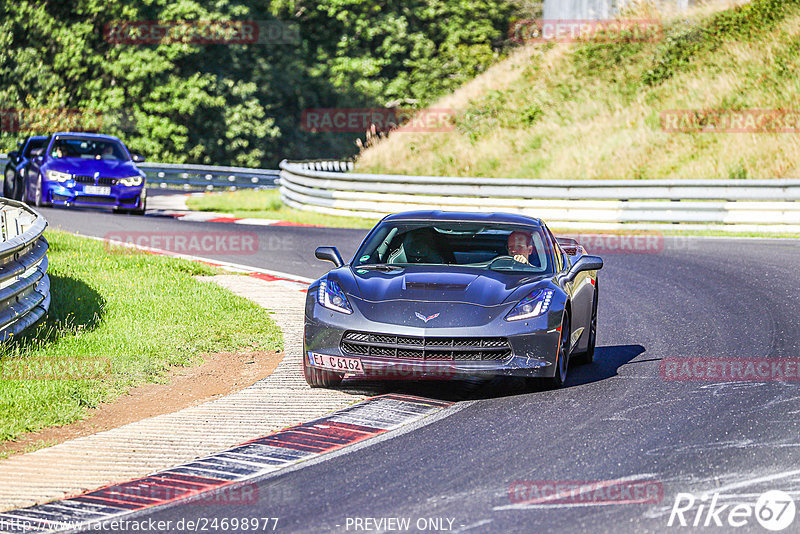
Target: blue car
[[86, 170], [17, 165]]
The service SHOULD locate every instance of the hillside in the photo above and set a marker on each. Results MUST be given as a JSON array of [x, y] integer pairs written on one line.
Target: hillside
[[597, 110]]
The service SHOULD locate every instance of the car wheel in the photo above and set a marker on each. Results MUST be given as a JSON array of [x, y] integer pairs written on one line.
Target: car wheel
[[8, 183], [141, 209], [587, 356], [562, 362], [318, 378], [37, 195]]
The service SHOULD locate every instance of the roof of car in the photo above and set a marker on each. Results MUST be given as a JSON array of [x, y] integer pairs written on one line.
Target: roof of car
[[86, 135], [504, 218]]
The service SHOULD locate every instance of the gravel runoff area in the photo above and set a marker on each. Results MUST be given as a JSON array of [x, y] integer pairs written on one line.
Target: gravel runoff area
[[137, 449]]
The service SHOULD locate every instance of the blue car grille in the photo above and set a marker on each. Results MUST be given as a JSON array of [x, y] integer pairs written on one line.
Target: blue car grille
[[95, 199], [426, 348], [90, 180]]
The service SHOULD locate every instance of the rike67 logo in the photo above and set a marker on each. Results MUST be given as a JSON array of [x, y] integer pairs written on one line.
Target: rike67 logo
[[774, 510]]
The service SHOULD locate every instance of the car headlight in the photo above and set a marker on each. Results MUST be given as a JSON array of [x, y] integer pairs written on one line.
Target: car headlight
[[331, 296], [57, 176], [535, 304], [131, 181]]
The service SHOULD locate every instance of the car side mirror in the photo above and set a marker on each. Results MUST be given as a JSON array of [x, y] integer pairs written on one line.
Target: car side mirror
[[36, 152], [585, 263], [137, 158], [329, 254], [13, 154]]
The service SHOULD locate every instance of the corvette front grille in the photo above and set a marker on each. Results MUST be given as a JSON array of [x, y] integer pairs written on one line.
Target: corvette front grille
[[425, 348]]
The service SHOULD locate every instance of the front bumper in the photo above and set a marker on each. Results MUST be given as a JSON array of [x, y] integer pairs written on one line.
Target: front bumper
[[534, 346], [59, 194]]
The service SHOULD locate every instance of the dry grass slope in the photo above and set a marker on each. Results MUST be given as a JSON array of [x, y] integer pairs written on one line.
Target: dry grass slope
[[594, 110]]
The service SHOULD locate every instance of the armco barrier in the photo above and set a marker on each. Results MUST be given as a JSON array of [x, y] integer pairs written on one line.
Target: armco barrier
[[24, 285], [194, 177], [166, 175], [729, 205]]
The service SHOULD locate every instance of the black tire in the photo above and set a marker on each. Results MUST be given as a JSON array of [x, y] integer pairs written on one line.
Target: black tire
[[587, 356], [317, 378], [17, 188], [562, 362], [135, 211], [141, 209], [37, 195], [10, 177]]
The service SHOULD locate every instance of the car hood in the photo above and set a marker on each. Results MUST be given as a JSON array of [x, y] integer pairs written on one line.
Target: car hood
[[88, 167], [441, 284]]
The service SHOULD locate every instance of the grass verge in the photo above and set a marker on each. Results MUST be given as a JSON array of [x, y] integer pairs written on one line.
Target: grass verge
[[266, 204], [118, 318]]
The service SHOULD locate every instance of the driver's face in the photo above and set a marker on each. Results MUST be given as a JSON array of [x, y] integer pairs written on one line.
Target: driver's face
[[519, 244]]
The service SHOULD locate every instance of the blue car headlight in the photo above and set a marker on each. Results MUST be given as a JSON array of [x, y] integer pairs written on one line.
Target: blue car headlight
[[131, 181], [57, 176], [331, 296], [535, 304]]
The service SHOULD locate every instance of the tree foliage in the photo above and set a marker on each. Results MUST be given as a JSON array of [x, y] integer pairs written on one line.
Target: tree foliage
[[241, 104]]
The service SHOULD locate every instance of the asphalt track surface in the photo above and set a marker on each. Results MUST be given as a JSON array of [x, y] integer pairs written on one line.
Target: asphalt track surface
[[616, 419]]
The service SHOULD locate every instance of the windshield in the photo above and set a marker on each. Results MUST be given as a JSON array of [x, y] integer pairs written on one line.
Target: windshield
[[73, 147], [501, 247], [34, 144]]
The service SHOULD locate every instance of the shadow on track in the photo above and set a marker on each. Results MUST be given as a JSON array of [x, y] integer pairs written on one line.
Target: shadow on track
[[606, 363]]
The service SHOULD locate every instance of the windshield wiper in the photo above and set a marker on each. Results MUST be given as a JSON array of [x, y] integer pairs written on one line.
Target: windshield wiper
[[380, 267]]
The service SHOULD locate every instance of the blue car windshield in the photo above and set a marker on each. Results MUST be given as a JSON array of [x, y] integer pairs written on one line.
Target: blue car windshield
[[34, 144], [501, 247], [87, 148]]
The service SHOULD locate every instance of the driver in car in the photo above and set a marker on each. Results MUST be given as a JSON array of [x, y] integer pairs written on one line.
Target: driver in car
[[520, 246]]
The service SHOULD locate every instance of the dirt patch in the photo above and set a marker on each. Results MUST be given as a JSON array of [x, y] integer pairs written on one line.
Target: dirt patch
[[219, 374]]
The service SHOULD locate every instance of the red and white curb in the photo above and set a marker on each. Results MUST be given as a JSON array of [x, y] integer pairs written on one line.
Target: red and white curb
[[229, 468], [175, 206], [201, 216]]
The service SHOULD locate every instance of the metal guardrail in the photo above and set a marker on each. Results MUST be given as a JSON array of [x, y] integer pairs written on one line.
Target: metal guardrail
[[185, 176], [729, 205], [200, 177], [24, 284]]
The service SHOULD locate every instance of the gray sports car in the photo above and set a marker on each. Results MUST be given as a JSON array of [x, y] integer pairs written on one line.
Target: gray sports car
[[440, 294]]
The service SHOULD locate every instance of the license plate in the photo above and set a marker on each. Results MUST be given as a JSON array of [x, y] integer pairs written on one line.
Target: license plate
[[338, 363], [96, 190]]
